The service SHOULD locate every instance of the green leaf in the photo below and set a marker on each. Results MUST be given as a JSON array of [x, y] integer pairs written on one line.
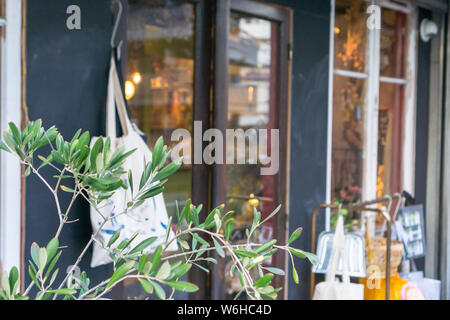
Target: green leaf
[[4, 147], [57, 157], [146, 285], [194, 217], [229, 226], [158, 290], [258, 260], [118, 158], [219, 248], [185, 213], [125, 243], [163, 272], [182, 286], [130, 180], [147, 268], [35, 253], [303, 254], [99, 162], [169, 226], [42, 259], [13, 278], [265, 246], [201, 251], [63, 291], [241, 278], [274, 212], [295, 275], [145, 175], [168, 170], [151, 192], [67, 189], [52, 279], [200, 239], [113, 239], [52, 264], [218, 222], [32, 273], [120, 273], [183, 244], [157, 153], [95, 150], [179, 271], [256, 218], [142, 261], [245, 253], [143, 245], [201, 267], [5, 284], [16, 133], [52, 248], [209, 221], [212, 260], [45, 161], [275, 270], [84, 140], [156, 258], [264, 281], [294, 236]]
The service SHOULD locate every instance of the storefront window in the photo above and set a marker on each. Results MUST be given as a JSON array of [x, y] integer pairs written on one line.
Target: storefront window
[[352, 146], [349, 99], [392, 83], [348, 137]]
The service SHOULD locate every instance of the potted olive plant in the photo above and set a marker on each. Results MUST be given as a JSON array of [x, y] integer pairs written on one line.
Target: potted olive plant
[[72, 160]]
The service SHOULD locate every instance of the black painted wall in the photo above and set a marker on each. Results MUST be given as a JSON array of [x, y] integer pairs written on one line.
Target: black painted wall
[[66, 87], [422, 118], [309, 109]]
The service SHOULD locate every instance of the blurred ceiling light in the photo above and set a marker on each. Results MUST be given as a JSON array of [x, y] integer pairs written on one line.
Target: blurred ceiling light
[[129, 90], [337, 30], [136, 77], [251, 90]]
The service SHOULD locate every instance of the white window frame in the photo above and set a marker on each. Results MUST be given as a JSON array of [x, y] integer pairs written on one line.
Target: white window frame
[[370, 150], [10, 103]]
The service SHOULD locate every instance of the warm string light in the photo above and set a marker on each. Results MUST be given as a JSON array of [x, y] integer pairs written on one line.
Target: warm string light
[[129, 89]]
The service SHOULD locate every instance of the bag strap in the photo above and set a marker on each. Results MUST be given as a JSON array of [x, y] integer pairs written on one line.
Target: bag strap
[[345, 276], [337, 248], [116, 101]]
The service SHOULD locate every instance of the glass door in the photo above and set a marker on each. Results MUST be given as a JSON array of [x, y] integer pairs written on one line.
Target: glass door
[[167, 89], [251, 93]]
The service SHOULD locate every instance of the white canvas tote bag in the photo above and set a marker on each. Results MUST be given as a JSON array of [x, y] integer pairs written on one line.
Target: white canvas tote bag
[[150, 219], [331, 288]]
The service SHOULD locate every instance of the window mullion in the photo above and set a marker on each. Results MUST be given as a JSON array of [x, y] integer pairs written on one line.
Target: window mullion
[[370, 152]]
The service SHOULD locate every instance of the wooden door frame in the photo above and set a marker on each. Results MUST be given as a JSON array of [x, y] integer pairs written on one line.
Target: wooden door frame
[[283, 16], [201, 112]]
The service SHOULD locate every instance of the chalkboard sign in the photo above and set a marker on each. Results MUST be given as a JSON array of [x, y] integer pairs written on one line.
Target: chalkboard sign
[[410, 230]]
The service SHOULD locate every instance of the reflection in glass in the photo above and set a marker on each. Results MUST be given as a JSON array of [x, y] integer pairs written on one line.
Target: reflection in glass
[[392, 43], [350, 35], [389, 138], [159, 86], [252, 105], [348, 137], [159, 82]]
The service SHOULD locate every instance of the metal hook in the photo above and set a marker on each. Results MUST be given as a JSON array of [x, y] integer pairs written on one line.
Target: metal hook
[[116, 23], [388, 211], [400, 203]]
